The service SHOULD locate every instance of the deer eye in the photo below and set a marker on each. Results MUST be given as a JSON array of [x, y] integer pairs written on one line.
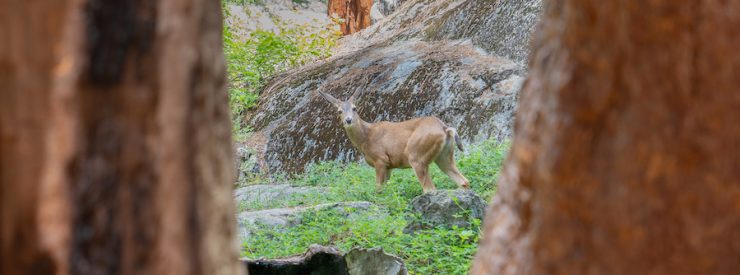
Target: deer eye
[[354, 109]]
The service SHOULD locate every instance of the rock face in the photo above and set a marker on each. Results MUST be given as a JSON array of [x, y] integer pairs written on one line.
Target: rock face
[[383, 8], [264, 194], [386, 7], [355, 14], [446, 208], [406, 67], [318, 260], [373, 261]]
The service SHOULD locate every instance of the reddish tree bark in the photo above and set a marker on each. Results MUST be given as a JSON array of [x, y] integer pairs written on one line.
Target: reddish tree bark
[[626, 156], [115, 150], [355, 14], [26, 59]]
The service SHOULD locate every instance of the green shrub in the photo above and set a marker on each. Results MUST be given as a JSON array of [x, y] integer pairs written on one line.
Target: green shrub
[[253, 59]]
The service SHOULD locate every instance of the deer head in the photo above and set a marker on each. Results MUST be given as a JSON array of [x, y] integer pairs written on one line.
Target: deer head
[[346, 110]]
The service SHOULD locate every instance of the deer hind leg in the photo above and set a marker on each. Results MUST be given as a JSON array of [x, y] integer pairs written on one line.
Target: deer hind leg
[[422, 172], [446, 163], [426, 149]]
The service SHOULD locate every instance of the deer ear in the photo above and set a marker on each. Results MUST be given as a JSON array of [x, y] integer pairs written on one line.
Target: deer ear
[[354, 96], [329, 98]]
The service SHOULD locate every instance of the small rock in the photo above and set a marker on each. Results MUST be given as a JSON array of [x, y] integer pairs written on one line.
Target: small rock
[[280, 219], [445, 208], [374, 261], [318, 260]]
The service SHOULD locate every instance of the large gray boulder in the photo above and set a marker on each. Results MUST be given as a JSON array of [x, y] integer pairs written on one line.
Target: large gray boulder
[[406, 66], [445, 208]]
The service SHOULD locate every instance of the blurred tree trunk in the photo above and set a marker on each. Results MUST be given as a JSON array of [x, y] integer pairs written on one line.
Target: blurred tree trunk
[[355, 14], [115, 143], [626, 157]]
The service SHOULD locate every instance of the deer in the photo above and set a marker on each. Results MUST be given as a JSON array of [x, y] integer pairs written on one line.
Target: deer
[[414, 143]]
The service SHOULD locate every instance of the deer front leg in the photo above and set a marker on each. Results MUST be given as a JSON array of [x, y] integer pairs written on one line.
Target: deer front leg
[[381, 176]]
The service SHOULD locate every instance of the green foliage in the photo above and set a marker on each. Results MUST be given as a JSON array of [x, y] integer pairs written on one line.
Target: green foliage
[[251, 60], [435, 251]]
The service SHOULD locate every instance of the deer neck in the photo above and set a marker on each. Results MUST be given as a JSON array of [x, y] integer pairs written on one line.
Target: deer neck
[[358, 132]]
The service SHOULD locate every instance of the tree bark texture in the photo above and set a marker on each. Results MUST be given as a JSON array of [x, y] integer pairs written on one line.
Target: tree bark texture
[[355, 14], [626, 155], [115, 143]]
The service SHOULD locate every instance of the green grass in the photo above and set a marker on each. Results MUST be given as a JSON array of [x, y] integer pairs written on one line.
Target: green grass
[[436, 251]]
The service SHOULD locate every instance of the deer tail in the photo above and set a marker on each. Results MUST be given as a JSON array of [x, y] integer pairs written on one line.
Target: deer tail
[[451, 132]]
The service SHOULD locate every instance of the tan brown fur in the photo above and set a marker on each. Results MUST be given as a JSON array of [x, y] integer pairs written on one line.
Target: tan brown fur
[[413, 143]]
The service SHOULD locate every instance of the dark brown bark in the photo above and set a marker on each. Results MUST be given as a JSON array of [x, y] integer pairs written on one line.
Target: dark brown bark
[[355, 14], [626, 156], [115, 150]]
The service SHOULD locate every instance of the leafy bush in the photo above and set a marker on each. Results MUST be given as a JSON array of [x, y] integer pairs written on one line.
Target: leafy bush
[[253, 59], [435, 251]]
